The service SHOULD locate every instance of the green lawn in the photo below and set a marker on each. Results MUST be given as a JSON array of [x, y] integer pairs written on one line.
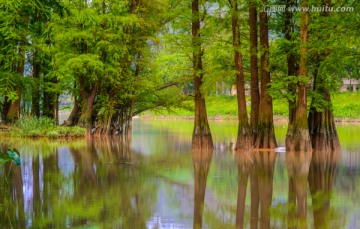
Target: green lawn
[[346, 105]]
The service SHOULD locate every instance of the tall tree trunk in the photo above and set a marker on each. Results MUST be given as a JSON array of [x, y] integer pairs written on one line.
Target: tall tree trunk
[[35, 103], [201, 160], [74, 116], [255, 95], [201, 134], [13, 110], [265, 131], [322, 127], [297, 137], [291, 59], [49, 99], [88, 96], [244, 136]]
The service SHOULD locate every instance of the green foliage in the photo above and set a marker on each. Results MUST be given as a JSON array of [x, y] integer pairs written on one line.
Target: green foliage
[[30, 126], [11, 155]]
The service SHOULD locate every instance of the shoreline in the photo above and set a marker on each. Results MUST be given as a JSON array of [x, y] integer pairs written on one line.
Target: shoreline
[[277, 119]]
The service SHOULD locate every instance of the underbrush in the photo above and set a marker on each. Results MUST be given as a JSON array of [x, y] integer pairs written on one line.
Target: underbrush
[[44, 127]]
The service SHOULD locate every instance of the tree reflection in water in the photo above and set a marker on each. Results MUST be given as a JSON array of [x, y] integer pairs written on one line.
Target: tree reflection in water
[[298, 169], [260, 166], [201, 161], [321, 182], [101, 189]]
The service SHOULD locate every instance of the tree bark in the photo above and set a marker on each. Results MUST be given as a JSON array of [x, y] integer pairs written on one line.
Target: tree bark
[[291, 59], [88, 96], [244, 136], [297, 137], [265, 129], [255, 95], [49, 99], [13, 109], [201, 134], [322, 127]]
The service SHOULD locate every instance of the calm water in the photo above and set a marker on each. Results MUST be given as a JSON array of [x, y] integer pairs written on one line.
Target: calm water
[[154, 181]]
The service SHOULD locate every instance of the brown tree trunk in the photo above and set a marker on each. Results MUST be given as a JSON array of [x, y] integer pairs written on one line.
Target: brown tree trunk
[[88, 96], [291, 59], [244, 136], [49, 99], [297, 137], [201, 160], [13, 110], [322, 127], [73, 118], [201, 134], [265, 129], [255, 95]]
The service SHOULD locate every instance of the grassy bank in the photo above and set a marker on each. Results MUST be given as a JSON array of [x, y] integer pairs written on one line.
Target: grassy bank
[[44, 127], [346, 106]]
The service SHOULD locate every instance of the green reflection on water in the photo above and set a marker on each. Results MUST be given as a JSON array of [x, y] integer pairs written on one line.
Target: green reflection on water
[[148, 181]]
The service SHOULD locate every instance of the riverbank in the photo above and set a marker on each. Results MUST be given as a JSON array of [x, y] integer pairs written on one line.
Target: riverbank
[[346, 109], [41, 127]]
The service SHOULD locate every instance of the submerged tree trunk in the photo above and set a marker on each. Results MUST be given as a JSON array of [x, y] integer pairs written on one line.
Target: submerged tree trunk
[[322, 125], [265, 129], [201, 134], [297, 137], [244, 136], [255, 96], [321, 122], [201, 160]]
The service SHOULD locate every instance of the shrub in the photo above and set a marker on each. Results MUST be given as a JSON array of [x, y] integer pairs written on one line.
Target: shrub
[[78, 131], [52, 134], [29, 126], [34, 133], [34, 123]]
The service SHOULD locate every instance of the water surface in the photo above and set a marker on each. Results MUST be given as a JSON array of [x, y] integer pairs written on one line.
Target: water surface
[[154, 180]]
